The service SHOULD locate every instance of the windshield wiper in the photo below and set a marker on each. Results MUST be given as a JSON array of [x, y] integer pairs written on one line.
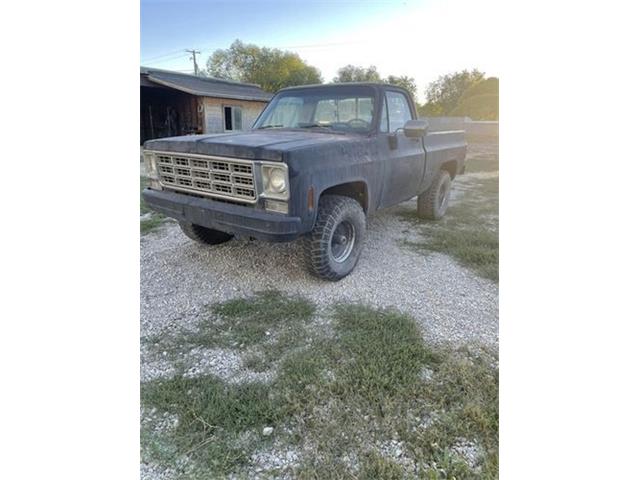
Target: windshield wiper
[[314, 125], [270, 126]]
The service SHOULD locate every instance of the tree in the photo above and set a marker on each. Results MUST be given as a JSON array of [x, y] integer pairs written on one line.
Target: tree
[[406, 82], [488, 86], [480, 101], [444, 94], [351, 73], [270, 68]]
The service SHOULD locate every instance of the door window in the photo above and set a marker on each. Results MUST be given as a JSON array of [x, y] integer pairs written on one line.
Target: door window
[[399, 111]]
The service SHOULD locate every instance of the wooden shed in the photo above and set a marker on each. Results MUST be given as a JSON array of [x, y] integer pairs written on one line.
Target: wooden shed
[[174, 103]]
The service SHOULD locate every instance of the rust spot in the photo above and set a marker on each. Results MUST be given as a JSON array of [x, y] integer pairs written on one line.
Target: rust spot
[[310, 195]]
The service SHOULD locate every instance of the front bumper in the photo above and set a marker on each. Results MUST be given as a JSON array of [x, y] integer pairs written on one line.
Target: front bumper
[[230, 218]]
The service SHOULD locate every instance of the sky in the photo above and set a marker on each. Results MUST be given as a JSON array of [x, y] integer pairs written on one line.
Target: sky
[[419, 38]]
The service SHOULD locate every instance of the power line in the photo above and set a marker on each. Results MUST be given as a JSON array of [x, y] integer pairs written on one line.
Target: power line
[[164, 60], [312, 45], [172, 55], [155, 57]]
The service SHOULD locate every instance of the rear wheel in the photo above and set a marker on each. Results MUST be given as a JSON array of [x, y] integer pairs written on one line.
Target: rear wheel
[[333, 247], [433, 203], [204, 235]]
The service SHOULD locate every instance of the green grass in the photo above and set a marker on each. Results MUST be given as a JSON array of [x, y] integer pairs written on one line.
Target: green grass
[[385, 350], [154, 219], [252, 320], [344, 393], [268, 322], [469, 230], [211, 415]]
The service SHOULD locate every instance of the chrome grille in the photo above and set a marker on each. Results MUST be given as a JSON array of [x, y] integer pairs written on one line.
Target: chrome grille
[[214, 177]]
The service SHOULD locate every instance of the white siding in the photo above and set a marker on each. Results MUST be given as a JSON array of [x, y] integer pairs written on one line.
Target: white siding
[[214, 117]]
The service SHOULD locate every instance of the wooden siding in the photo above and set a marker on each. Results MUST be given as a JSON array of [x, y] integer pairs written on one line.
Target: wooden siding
[[167, 113]]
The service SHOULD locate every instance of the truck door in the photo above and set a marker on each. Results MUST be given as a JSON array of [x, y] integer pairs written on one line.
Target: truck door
[[405, 158]]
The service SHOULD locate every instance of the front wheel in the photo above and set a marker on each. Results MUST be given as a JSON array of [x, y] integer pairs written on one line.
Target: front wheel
[[204, 235], [433, 203], [334, 245]]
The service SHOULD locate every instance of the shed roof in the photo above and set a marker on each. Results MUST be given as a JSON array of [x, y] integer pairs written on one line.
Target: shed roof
[[204, 86]]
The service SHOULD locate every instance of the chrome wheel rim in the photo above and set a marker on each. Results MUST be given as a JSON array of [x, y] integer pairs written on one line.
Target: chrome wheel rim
[[342, 241]]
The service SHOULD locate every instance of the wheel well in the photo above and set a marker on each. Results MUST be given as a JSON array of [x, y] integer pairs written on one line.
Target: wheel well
[[451, 166], [355, 190]]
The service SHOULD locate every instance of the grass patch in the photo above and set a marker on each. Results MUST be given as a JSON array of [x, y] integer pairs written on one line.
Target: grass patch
[[269, 323], [385, 351], [152, 220], [252, 320], [376, 466], [469, 231], [339, 399], [151, 223], [464, 393], [211, 416]]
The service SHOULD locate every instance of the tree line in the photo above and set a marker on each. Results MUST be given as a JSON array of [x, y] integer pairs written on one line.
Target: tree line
[[465, 93]]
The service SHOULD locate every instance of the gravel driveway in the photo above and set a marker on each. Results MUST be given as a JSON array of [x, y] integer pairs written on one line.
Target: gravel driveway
[[179, 278], [451, 303]]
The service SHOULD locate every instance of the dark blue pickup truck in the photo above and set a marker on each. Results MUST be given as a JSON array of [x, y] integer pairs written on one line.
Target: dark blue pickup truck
[[318, 160]]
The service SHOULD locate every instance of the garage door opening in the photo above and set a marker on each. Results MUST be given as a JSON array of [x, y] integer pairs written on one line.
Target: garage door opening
[[167, 113]]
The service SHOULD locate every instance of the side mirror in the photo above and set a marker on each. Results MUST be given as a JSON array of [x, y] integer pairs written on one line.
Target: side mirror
[[416, 128]]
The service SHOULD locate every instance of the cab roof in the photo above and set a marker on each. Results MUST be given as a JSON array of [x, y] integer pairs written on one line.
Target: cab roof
[[376, 85]]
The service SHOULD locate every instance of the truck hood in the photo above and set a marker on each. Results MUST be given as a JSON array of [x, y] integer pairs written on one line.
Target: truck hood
[[252, 145]]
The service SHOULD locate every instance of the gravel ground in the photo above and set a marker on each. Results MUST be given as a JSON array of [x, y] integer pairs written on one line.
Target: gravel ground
[[179, 278], [451, 303]]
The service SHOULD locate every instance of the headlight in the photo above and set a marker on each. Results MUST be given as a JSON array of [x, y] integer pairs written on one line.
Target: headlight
[[275, 182]]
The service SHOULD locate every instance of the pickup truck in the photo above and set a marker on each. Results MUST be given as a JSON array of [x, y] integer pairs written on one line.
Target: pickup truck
[[317, 161]]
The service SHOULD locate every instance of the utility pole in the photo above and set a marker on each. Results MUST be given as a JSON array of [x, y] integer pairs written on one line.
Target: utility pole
[[193, 57]]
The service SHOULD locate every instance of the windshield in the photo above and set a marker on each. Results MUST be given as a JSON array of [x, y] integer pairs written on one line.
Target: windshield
[[327, 109]]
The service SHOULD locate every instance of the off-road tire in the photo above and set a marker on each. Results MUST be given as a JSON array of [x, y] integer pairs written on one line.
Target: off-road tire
[[432, 204], [335, 213], [204, 235]]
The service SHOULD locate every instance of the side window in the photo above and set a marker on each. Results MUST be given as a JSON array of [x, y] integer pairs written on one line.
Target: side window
[[384, 117], [232, 118], [399, 111]]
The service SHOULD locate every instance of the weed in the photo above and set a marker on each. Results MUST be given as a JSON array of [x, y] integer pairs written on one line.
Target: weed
[[468, 232], [338, 398], [211, 414], [256, 320]]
